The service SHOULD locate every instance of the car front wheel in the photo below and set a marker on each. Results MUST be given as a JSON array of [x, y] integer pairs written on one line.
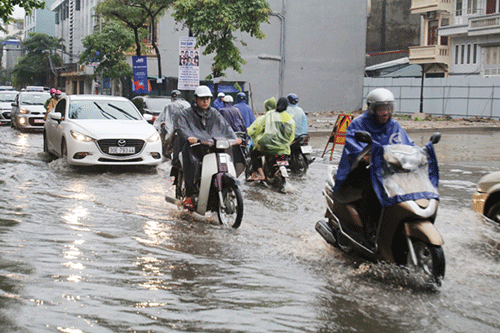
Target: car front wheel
[[494, 212]]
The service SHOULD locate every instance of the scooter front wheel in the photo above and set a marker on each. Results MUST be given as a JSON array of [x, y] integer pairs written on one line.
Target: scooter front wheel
[[430, 258], [230, 210]]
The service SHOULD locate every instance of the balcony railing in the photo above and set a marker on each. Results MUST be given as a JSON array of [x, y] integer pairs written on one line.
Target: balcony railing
[[422, 6], [429, 54], [484, 25]]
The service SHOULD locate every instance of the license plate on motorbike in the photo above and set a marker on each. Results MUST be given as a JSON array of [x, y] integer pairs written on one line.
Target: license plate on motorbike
[[306, 149], [122, 150], [285, 162]]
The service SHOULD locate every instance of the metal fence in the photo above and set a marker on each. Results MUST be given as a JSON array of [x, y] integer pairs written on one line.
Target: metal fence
[[464, 97]]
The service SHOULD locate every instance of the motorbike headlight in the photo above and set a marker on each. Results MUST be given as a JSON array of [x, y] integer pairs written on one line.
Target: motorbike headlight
[[81, 137], [24, 111], [153, 138]]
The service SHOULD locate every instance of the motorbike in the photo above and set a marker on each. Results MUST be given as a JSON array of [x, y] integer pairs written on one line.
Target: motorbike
[[276, 170], [300, 156], [218, 184], [385, 209]]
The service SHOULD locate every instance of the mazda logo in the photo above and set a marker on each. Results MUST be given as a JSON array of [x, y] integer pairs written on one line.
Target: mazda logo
[[122, 143]]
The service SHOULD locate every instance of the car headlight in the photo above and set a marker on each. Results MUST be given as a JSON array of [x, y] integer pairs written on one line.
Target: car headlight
[[24, 111], [80, 137], [153, 138]]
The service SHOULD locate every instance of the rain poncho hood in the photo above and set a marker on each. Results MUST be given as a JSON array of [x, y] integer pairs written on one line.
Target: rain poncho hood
[[273, 132], [300, 118], [387, 134], [202, 124], [270, 104]]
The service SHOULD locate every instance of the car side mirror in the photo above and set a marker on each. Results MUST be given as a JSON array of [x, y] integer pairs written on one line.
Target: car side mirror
[[148, 116], [57, 116], [435, 138], [363, 136]]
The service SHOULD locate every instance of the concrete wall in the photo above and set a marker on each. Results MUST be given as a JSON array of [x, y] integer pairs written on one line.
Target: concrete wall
[[401, 29], [458, 97], [323, 57]]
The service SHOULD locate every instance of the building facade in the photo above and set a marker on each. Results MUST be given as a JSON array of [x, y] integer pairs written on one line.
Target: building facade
[[40, 20], [316, 51], [74, 20], [459, 37]]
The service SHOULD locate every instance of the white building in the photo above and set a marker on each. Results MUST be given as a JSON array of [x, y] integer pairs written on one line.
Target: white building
[[459, 37]]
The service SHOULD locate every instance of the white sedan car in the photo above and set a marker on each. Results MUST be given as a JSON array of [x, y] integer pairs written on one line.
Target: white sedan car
[[100, 130]]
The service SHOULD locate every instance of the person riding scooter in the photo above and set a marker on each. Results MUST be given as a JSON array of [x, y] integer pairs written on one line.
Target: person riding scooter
[[199, 123], [377, 120], [272, 134]]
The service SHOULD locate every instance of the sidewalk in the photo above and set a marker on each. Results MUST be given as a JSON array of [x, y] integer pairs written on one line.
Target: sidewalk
[[322, 123]]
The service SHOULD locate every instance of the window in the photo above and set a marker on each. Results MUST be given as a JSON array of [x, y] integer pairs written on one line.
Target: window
[[457, 48], [474, 54], [472, 7], [77, 4], [468, 53], [491, 6], [462, 54], [458, 8]]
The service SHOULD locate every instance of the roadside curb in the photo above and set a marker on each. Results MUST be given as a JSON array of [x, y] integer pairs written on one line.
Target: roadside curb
[[452, 130]]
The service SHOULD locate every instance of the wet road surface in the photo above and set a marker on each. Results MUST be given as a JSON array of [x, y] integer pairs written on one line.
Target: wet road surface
[[99, 250]]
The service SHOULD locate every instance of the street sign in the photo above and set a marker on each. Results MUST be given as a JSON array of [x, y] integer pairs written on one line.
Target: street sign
[[337, 136]]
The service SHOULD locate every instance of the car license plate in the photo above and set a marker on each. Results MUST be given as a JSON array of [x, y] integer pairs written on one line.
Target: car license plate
[[39, 121], [122, 150], [306, 149], [285, 162]]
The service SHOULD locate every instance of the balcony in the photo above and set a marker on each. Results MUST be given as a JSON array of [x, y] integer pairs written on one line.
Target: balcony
[[430, 54], [484, 25], [423, 6]]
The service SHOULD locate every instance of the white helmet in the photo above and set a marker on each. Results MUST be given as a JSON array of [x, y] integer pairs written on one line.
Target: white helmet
[[377, 97], [202, 91], [228, 99]]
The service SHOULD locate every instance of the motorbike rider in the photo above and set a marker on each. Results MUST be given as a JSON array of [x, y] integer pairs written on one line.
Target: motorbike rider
[[164, 122], [271, 133], [198, 123], [52, 103], [378, 121], [233, 115], [245, 109], [219, 103], [299, 116]]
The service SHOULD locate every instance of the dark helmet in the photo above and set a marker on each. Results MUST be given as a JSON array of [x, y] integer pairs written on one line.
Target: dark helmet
[[242, 96], [175, 94], [282, 104], [292, 98]]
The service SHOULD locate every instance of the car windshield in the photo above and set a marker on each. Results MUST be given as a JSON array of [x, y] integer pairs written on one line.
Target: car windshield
[[7, 97], [156, 104], [111, 109], [34, 98]]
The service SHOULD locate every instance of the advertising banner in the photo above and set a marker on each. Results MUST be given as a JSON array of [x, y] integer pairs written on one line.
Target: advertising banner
[[140, 68], [189, 64]]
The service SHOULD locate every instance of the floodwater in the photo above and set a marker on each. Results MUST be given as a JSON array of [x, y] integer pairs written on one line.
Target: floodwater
[[99, 250]]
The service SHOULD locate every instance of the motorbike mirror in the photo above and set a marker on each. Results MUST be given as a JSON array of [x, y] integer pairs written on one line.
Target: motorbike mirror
[[435, 138], [363, 136]]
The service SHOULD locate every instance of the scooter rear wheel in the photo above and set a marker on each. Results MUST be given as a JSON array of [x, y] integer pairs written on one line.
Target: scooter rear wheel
[[231, 212], [430, 259]]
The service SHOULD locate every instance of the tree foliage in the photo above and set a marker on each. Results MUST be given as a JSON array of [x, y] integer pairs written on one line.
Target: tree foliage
[[107, 48], [7, 7], [36, 66], [136, 19], [214, 23]]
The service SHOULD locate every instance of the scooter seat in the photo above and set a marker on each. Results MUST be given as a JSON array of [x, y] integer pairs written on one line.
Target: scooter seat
[[347, 194]]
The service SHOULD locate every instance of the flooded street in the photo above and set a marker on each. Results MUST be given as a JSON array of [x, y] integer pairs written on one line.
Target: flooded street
[[99, 250]]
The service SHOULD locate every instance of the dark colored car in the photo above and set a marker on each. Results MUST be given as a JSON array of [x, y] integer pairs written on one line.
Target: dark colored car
[[151, 105]]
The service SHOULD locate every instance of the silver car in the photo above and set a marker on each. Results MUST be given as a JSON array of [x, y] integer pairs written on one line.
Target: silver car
[[7, 97], [28, 111], [486, 200]]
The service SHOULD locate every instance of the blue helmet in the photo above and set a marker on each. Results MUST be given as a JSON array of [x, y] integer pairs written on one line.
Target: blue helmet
[[242, 96], [292, 98]]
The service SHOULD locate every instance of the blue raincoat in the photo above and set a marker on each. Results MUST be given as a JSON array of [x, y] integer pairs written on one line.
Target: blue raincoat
[[388, 134]]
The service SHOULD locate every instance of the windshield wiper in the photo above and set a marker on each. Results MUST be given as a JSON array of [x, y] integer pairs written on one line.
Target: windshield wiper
[[125, 113], [107, 115]]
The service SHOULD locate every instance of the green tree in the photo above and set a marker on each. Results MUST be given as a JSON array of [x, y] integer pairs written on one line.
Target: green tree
[[107, 47], [214, 23], [134, 18], [36, 67], [7, 7]]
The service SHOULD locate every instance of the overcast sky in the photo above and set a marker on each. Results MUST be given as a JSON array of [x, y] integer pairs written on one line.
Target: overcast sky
[[18, 12]]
